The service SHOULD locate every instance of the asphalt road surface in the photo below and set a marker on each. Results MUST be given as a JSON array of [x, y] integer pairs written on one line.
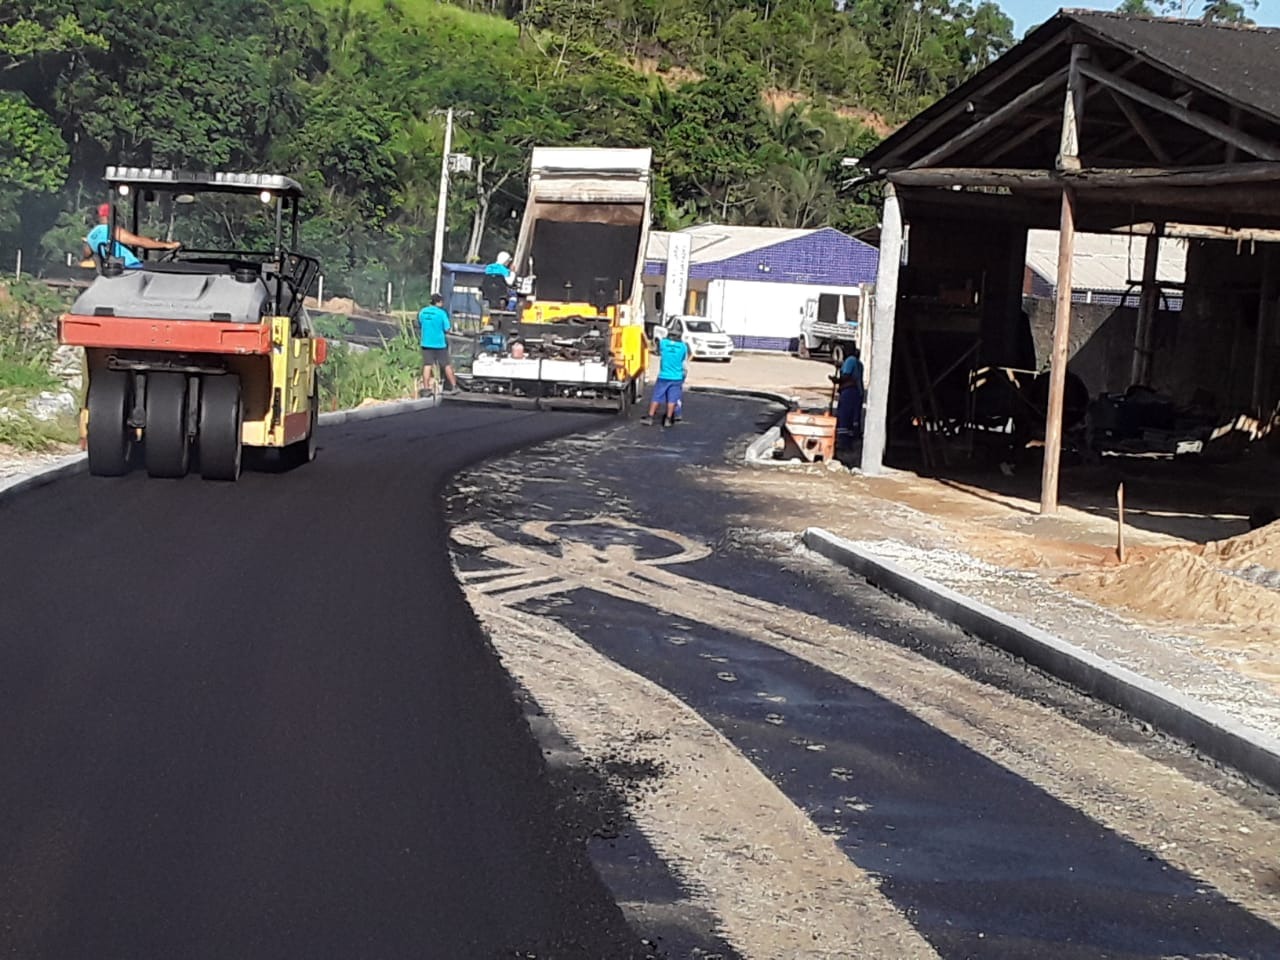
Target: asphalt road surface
[[258, 720]]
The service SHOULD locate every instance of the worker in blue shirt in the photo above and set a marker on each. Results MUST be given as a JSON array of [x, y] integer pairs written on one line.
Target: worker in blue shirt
[[673, 368], [849, 406], [96, 241], [433, 321], [501, 267]]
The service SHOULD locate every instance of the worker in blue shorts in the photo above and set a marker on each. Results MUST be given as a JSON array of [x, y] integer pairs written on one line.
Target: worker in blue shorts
[[673, 368]]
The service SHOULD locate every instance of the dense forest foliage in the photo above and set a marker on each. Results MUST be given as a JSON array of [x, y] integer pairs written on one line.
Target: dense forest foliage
[[749, 108]]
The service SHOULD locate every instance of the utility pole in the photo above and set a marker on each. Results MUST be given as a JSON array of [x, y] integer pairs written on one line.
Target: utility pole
[[437, 254], [449, 163]]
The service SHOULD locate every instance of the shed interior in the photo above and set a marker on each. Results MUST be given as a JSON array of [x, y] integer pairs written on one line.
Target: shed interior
[[1095, 123]]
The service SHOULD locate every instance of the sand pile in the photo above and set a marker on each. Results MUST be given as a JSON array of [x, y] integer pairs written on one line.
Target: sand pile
[[1261, 547], [1182, 585]]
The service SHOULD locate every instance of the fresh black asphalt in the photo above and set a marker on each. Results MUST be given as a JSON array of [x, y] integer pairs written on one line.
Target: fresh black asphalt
[[258, 720]]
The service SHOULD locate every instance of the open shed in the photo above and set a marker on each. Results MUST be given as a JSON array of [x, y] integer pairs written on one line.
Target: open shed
[[1094, 123]]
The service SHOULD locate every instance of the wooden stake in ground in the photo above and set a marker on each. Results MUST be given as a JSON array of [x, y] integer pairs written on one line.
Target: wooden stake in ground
[[1120, 522]]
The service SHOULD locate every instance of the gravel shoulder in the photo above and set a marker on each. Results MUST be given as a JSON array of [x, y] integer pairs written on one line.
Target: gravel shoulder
[[1033, 570], [1196, 606]]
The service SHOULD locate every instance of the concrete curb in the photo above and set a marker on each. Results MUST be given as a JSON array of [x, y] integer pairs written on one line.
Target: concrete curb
[[1202, 726], [76, 463], [29, 480], [389, 409]]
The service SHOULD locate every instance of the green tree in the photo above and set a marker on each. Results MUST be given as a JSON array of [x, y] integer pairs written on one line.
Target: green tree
[[33, 156], [1228, 11]]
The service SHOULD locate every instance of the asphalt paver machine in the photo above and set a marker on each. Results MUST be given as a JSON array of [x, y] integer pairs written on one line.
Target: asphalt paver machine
[[576, 336], [196, 354]]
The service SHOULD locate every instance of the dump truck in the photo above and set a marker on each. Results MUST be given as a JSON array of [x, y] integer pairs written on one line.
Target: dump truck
[[197, 354], [575, 336]]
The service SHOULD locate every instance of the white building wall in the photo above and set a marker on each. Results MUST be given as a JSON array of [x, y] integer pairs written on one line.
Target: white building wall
[[763, 315]]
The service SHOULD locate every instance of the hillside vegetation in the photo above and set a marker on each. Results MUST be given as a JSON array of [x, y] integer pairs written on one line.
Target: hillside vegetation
[[749, 109]]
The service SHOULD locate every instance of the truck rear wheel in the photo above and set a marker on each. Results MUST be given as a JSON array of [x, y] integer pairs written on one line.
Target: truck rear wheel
[[109, 435], [837, 353], [167, 452], [221, 420]]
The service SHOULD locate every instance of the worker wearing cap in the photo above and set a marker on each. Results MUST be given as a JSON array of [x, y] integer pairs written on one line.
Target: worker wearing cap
[[501, 267], [96, 241]]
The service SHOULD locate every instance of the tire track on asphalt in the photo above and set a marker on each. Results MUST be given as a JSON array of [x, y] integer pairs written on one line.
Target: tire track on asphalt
[[778, 886]]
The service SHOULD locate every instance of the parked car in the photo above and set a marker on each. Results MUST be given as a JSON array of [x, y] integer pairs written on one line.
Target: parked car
[[706, 340]]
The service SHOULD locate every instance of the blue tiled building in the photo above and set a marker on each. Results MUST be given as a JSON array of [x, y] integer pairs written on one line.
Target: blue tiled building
[[756, 282]]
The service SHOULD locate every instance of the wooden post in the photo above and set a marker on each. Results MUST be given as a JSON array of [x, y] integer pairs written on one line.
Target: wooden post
[[1068, 159], [880, 362], [1073, 111], [1120, 522], [1058, 358], [1142, 338], [1266, 300]]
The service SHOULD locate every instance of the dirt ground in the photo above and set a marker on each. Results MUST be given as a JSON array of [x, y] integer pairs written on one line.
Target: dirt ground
[[1193, 570]]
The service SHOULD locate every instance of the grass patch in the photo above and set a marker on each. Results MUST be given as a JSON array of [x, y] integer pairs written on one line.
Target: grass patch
[[351, 375], [28, 338], [24, 376], [29, 435]]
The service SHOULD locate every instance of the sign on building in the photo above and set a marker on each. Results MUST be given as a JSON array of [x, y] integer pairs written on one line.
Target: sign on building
[[679, 246]]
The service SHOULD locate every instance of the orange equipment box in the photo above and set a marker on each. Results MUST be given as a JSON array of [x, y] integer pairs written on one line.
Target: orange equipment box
[[814, 434]]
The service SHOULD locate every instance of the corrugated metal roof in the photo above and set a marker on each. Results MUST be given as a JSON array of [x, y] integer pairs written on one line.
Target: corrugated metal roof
[[714, 242], [1104, 261]]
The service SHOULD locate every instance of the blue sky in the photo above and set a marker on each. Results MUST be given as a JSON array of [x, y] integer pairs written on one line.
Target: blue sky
[[1027, 13]]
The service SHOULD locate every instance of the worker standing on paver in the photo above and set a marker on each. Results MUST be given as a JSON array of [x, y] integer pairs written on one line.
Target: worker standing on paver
[[673, 368], [433, 321], [501, 267], [849, 407]]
